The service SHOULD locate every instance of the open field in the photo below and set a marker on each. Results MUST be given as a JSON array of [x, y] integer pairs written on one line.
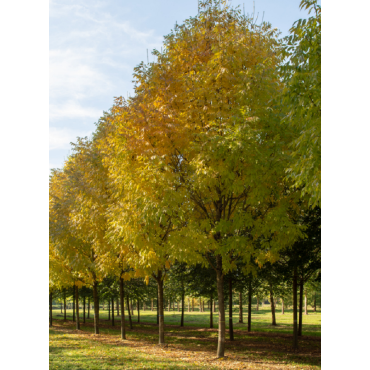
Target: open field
[[191, 347]]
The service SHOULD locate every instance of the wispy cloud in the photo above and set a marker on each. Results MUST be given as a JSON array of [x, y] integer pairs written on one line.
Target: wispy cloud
[[73, 74], [60, 138], [93, 49], [72, 109], [88, 53]]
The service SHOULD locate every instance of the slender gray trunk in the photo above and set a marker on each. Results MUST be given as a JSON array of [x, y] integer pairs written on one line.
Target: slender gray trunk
[[112, 311], [182, 306], [77, 309], [129, 311], [305, 303], [295, 327], [300, 307], [250, 304], [65, 305], [50, 309], [272, 306], [84, 302], [161, 310], [231, 329], [74, 306], [88, 307], [96, 307], [221, 309], [240, 308], [121, 297]]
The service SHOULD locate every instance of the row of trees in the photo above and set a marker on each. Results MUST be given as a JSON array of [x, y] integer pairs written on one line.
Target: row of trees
[[202, 170], [196, 293]]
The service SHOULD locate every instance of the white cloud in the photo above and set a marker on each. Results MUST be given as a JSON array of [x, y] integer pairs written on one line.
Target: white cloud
[[60, 138], [73, 75], [72, 109]]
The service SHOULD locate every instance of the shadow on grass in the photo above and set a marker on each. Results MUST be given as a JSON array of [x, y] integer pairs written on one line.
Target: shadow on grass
[[255, 347]]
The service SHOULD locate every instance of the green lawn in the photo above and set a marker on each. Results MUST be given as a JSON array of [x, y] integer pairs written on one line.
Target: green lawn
[[192, 347], [261, 320]]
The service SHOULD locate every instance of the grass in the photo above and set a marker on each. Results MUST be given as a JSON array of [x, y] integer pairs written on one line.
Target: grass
[[191, 347]]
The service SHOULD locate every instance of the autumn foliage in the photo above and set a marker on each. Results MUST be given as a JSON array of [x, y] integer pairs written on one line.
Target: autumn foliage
[[191, 169]]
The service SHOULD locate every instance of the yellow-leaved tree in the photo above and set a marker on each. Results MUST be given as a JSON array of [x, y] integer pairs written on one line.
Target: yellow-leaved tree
[[198, 154]]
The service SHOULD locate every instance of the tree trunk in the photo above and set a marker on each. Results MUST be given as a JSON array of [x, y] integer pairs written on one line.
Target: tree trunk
[[112, 311], [214, 306], [182, 307], [121, 297], [210, 312], [108, 309], [282, 306], [169, 305], [117, 306], [161, 310], [50, 309], [240, 308], [88, 307], [96, 307], [300, 307], [151, 305], [314, 303], [157, 308], [221, 309], [84, 318], [178, 306], [77, 309], [250, 304], [128, 310], [74, 306], [258, 302], [132, 308], [138, 310], [192, 305], [231, 329], [272, 306], [188, 304], [295, 329], [65, 306], [305, 303]]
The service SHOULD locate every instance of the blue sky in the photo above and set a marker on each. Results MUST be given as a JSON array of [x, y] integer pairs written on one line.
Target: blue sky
[[94, 46]]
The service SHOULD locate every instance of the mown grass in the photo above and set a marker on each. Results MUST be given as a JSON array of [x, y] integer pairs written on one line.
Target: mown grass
[[191, 347], [70, 351], [261, 320]]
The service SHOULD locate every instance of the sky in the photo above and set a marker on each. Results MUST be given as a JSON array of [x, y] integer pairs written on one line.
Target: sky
[[95, 45]]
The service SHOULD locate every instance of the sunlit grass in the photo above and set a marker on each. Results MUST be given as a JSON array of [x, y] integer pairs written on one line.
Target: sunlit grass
[[261, 319], [266, 345]]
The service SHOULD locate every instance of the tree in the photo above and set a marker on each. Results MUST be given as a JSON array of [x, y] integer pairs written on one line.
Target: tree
[[202, 136], [302, 100], [77, 217]]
